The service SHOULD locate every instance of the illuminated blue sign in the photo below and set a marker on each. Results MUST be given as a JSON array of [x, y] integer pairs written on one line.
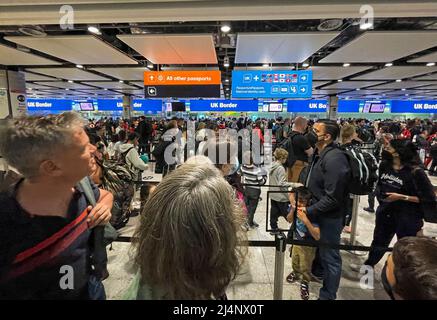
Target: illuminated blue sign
[[224, 105], [48, 105], [271, 84], [307, 105], [414, 106]]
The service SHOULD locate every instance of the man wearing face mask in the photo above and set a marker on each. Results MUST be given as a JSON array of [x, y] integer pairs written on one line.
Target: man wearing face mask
[[327, 180], [409, 272]]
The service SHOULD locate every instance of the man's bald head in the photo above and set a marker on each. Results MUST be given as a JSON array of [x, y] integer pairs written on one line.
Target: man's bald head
[[300, 124]]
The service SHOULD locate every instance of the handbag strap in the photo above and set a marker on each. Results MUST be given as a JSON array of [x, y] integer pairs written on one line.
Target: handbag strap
[[88, 190]]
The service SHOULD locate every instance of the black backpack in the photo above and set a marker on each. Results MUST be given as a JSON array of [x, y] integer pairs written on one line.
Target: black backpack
[[117, 179], [288, 146], [364, 170]]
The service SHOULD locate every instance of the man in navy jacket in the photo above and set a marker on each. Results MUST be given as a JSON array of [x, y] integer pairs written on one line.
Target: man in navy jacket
[[328, 178]]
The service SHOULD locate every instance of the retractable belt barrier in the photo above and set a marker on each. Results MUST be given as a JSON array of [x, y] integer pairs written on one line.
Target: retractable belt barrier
[[281, 240]]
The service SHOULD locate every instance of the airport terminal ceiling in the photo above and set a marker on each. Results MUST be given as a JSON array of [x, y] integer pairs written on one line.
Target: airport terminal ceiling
[[393, 60]]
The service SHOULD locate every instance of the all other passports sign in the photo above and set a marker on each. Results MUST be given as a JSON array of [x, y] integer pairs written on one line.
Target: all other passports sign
[[271, 84]]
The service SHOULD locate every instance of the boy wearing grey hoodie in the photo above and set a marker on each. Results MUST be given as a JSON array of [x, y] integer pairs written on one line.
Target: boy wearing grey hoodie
[[278, 178]]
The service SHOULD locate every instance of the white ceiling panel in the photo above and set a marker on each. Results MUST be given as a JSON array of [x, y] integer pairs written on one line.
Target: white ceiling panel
[[38, 86], [110, 85], [397, 72], [13, 57], [327, 91], [131, 91], [67, 73], [352, 84], [64, 84], [79, 49], [431, 87], [174, 48], [432, 57], [428, 77], [366, 91], [36, 77], [383, 46], [403, 84], [334, 73], [409, 91], [124, 73], [319, 83], [279, 47]]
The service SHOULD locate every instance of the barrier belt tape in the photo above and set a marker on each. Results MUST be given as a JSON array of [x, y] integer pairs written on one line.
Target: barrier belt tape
[[268, 243]]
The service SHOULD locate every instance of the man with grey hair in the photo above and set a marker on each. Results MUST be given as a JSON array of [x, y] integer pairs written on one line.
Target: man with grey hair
[[45, 217]]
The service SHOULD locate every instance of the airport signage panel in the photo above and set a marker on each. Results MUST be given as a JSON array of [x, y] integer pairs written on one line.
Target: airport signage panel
[[414, 106], [110, 104], [271, 84], [182, 84], [364, 106], [145, 105], [48, 105], [307, 105], [349, 106], [224, 105]]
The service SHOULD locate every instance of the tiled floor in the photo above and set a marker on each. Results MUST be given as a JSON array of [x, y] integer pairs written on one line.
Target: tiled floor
[[256, 277]]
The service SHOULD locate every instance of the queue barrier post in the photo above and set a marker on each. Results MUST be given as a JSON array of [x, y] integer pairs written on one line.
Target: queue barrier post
[[280, 244]]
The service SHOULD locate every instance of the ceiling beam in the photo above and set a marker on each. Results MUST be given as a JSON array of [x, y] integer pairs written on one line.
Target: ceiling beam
[[30, 12]]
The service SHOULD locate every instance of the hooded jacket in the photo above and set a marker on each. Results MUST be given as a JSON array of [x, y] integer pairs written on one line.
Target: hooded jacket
[[278, 178], [133, 160]]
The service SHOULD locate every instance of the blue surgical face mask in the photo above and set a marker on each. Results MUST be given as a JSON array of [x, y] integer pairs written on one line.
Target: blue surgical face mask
[[234, 167]]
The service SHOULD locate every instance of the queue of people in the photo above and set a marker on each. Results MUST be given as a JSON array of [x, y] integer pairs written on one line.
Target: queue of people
[[191, 240]]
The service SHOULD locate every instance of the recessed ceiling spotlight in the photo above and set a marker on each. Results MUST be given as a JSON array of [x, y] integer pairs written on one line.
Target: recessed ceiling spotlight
[[265, 65], [339, 80], [150, 65], [70, 81], [121, 81], [389, 64], [305, 64], [346, 65], [94, 30], [399, 80], [106, 89], [226, 27], [403, 89], [358, 89], [79, 66], [430, 64], [227, 80], [406, 94], [67, 89], [226, 62]]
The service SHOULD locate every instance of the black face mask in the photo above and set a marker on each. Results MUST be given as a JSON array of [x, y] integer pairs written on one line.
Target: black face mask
[[312, 137], [385, 282]]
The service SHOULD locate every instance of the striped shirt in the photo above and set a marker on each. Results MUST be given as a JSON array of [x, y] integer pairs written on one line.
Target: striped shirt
[[254, 175]]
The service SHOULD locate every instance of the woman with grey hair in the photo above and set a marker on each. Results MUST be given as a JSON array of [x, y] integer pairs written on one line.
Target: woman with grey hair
[[187, 245]]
